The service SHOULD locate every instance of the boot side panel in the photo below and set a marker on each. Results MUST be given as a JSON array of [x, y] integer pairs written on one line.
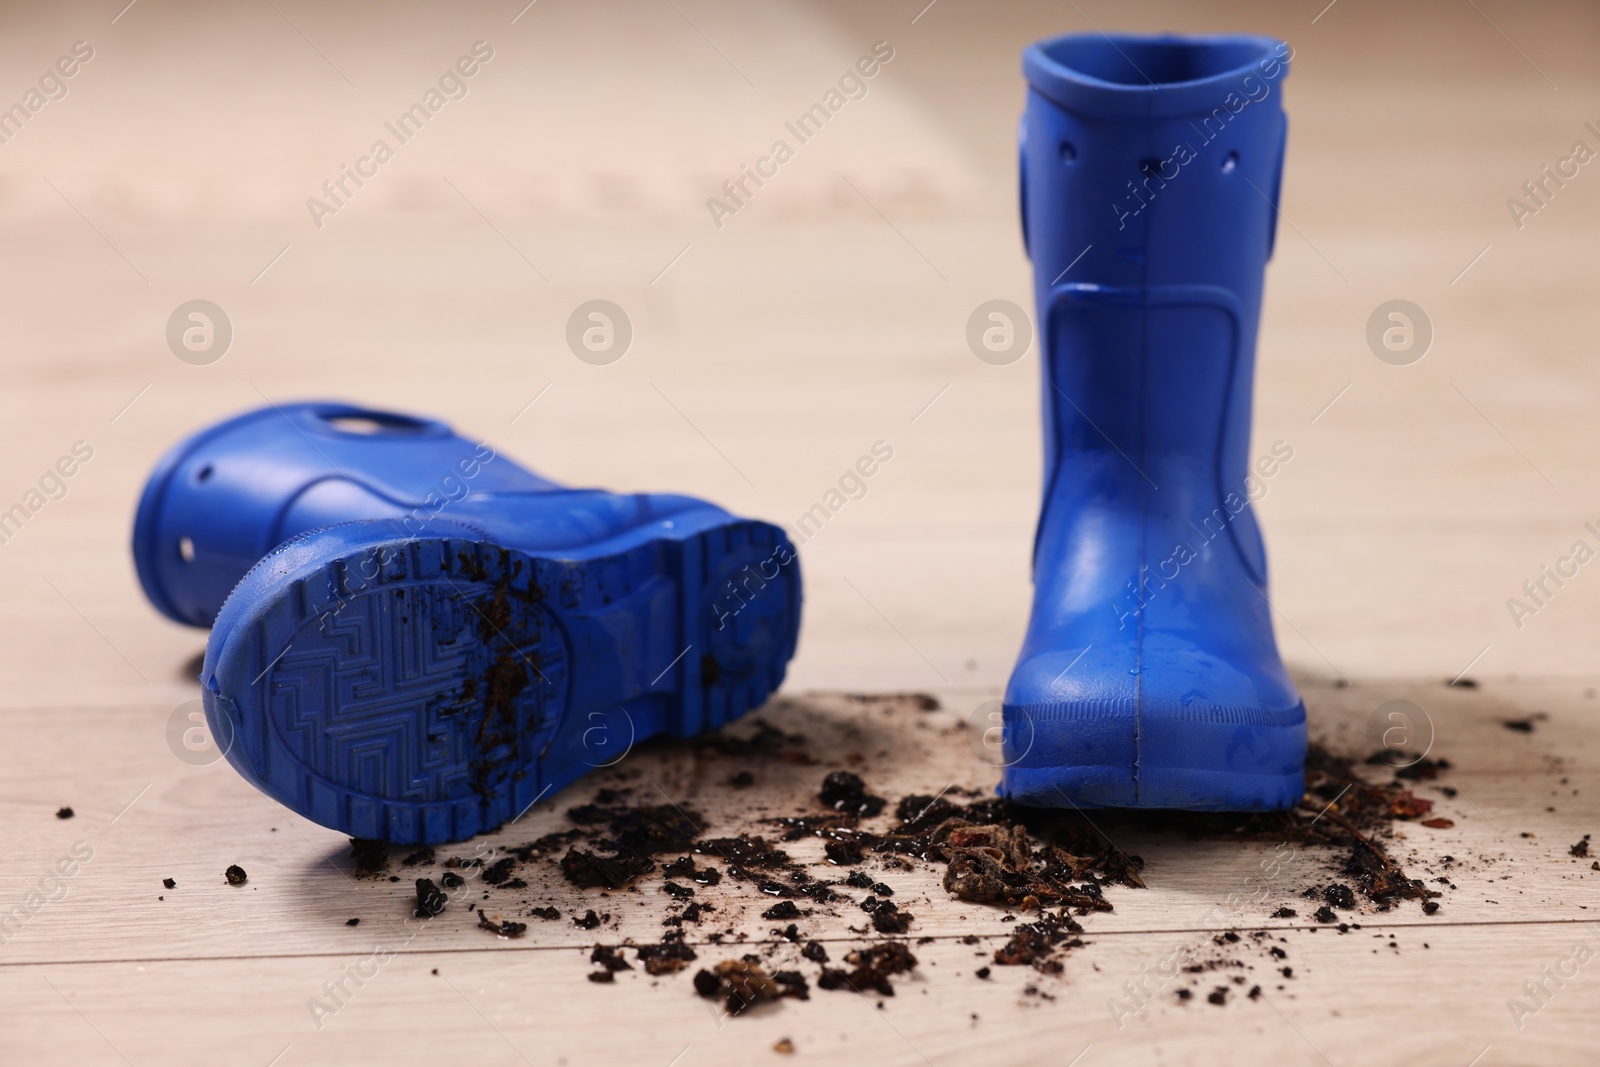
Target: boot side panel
[[216, 502]]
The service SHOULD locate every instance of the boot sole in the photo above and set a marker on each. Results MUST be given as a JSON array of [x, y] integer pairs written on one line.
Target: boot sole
[[1105, 755], [425, 690]]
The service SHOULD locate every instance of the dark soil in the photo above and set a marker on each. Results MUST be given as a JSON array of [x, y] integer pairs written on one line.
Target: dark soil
[[587, 870], [844, 853], [499, 872], [871, 968], [504, 928], [1048, 868], [1339, 896], [235, 875], [846, 792], [431, 900], [371, 856], [670, 956], [609, 958], [740, 984], [64, 813], [633, 834]]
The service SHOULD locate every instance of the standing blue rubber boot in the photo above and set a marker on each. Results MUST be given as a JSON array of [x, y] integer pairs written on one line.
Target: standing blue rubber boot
[[1149, 676], [414, 639]]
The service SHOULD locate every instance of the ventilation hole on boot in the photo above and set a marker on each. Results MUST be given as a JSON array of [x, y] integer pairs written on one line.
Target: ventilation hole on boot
[[1230, 162], [1069, 152], [374, 423], [186, 549], [203, 473]]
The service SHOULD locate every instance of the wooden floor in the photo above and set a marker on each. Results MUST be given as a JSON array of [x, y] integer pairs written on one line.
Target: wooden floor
[[826, 315]]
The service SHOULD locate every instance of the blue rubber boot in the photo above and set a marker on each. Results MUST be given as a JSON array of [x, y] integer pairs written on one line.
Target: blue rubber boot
[[414, 639], [1149, 676]]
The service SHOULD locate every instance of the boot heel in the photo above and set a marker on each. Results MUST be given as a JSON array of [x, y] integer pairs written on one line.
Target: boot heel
[[423, 690], [741, 604]]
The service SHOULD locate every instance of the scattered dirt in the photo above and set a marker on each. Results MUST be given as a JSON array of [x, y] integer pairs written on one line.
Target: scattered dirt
[[235, 875], [634, 836], [431, 900], [501, 927], [844, 791], [1581, 849], [170, 883], [610, 961], [587, 870], [64, 813], [739, 984], [826, 871], [871, 968], [371, 856], [670, 956]]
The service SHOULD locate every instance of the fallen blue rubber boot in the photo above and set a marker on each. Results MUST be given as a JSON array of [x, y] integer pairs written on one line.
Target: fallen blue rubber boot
[[1149, 676], [436, 638]]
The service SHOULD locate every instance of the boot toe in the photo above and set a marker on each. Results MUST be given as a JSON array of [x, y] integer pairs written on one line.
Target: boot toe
[[1101, 737], [1070, 734]]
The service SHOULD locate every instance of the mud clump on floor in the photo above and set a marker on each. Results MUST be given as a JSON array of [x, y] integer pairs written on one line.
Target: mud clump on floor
[[669, 956], [371, 856], [610, 961], [845, 791], [870, 968], [1526, 725], [431, 900], [587, 870], [501, 927], [739, 984], [235, 875], [634, 836], [1034, 944]]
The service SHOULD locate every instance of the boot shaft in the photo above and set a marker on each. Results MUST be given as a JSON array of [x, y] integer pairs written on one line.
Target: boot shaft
[[1150, 170], [221, 499]]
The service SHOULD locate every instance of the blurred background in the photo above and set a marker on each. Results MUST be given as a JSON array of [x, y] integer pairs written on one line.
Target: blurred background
[[772, 347]]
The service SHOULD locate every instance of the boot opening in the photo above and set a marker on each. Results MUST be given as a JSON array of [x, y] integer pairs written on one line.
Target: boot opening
[[1140, 62]]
